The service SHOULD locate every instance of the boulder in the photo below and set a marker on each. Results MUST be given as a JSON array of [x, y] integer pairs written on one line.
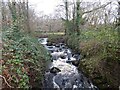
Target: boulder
[[55, 70]]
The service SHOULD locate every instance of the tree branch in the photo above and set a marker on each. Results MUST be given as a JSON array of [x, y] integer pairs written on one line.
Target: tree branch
[[98, 8], [6, 81]]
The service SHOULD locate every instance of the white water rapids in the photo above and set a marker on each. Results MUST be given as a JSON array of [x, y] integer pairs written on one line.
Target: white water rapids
[[63, 73]]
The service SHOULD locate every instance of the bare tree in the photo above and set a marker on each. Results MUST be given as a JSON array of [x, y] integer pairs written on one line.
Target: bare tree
[[78, 17], [67, 15], [118, 25], [27, 10], [3, 15]]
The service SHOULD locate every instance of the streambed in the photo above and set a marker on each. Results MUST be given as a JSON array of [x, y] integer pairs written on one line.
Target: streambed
[[63, 72]]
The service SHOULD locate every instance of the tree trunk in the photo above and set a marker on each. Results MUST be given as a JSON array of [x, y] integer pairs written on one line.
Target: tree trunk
[[3, 16], [74, 17], [66, 22], [27, 10], [118, 21], [78, 17], [13, 10]]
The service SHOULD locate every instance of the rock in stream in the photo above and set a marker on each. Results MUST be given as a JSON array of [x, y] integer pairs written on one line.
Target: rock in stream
[[63, 73]]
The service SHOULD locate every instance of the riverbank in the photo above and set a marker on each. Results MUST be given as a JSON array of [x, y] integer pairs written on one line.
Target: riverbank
[[98, 64], [23, 60]]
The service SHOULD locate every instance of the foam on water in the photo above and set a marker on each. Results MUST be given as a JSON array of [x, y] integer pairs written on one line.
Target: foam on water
[[43, 40], [64, 67], [68, 77]]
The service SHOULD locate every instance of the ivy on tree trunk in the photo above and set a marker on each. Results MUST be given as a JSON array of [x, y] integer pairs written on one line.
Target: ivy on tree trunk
[[78, 17]]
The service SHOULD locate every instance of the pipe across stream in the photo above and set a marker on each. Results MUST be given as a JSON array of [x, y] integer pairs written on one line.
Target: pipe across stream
[[63, 72]]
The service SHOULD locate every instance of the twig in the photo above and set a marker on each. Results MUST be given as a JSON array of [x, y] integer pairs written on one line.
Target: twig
[[6, 81], [102, 6]]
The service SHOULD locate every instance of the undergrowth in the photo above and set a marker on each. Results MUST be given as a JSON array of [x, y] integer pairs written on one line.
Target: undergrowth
[[98, 46], [23, 59]]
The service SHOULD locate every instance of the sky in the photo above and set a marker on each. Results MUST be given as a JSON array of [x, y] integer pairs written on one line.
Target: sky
[[48, 6]]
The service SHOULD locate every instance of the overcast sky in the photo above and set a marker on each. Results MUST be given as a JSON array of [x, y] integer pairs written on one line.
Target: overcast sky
[[48, 6]]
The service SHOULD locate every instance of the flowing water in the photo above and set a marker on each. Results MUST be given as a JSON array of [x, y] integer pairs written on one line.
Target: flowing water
[[63, 72]]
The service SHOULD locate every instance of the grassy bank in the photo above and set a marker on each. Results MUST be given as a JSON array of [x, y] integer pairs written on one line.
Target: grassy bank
[[47, 34], [101, 52], [23, 59]]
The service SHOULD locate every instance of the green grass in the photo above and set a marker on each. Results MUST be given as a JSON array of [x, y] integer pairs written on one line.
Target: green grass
[[39, 34], [54, 33]]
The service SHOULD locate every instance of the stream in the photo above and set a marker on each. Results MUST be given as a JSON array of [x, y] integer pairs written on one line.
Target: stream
[[63, 72]]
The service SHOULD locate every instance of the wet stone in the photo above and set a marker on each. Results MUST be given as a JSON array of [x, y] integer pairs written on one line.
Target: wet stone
[[63, 72]]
